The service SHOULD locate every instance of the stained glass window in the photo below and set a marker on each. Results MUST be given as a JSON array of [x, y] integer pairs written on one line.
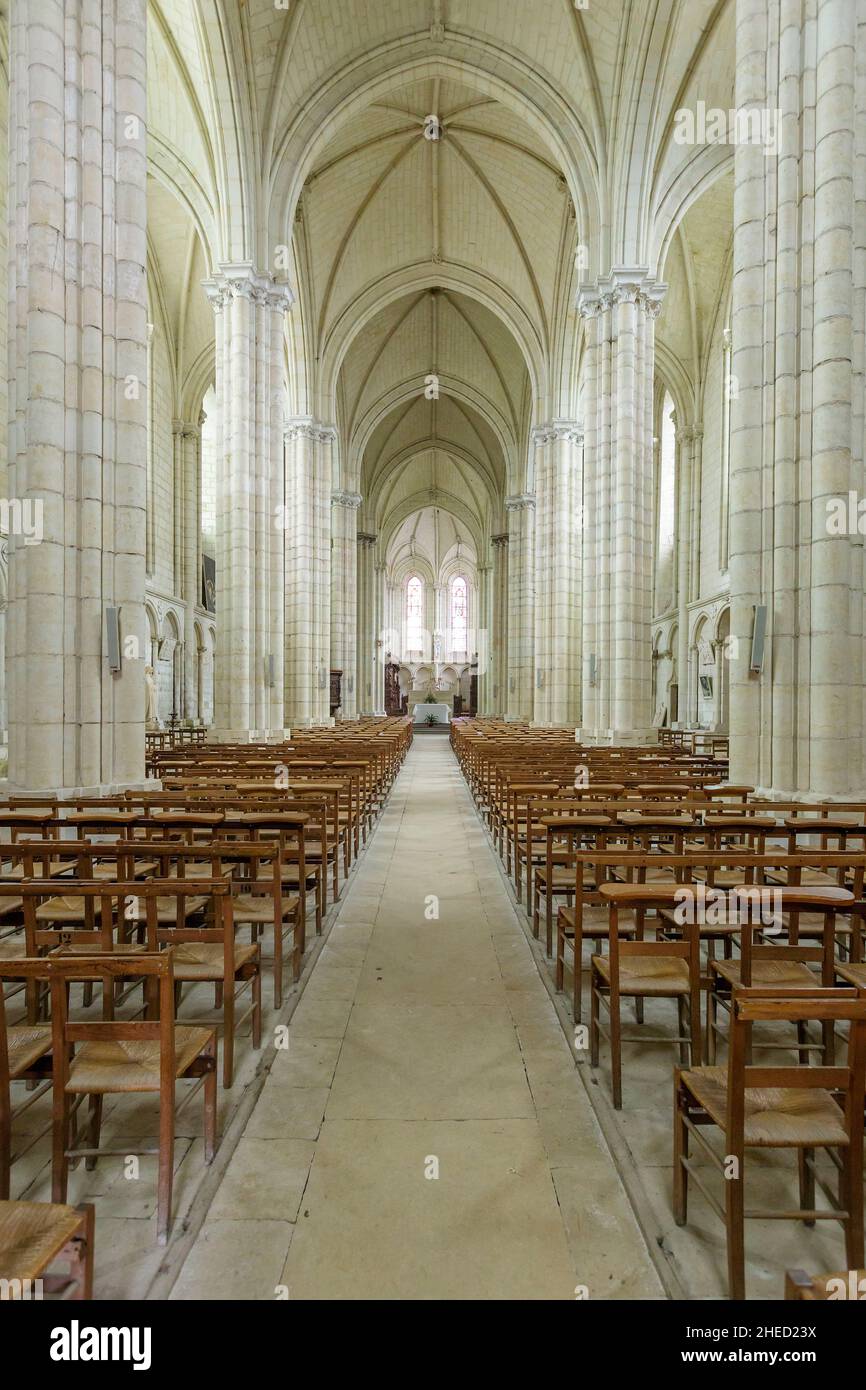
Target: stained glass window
[[414, 614], [459, 614]]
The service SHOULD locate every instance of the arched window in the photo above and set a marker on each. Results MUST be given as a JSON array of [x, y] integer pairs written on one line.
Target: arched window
[[666, 517], [414, 614], [459, 614]]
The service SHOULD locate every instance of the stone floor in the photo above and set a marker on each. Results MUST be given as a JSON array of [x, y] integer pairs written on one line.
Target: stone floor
[[426, 1135]]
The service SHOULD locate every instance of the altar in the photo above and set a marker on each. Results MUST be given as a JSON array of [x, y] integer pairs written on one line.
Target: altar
[[421, 713]]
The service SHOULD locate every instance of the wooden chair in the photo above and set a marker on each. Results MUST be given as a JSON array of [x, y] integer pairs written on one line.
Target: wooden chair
[[25, 1055], [593, 868], [801, 1107], [556, 877], [96, 915], [288, 828], [259, 898], [640, 969], [210, 953], [119, 1058], [33, 1236], [791, 964]]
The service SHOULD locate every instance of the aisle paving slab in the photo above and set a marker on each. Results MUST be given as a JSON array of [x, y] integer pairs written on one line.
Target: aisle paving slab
[[425, 1135]]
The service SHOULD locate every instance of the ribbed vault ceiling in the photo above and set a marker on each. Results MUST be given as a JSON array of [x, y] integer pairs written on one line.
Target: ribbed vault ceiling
[[317, 107]]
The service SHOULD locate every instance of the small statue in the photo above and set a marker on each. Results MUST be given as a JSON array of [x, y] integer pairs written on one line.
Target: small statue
[[149, 696]]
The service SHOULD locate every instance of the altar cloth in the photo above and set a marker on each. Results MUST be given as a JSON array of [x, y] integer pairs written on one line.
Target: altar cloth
[[421, 712]]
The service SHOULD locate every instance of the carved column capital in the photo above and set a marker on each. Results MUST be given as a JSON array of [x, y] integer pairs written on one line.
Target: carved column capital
[[241, 280], [520, 501], [305, 427]]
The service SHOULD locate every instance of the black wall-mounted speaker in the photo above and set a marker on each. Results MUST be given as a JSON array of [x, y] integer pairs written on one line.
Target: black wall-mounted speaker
[[112, 639], [759, 637]]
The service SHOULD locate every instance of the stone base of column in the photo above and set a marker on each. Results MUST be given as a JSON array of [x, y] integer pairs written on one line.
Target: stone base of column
[[616, 738], [150, 784], [249, 735], [811, 796]]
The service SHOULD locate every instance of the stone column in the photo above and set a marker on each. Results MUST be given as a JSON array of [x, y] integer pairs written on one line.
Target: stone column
[[683, 552], [437, 623], [308, 570], [520, 512], [380, 626], [728, 392], [481, 643], [499, 634], [688, 446], [150, 542], [77, 363], [694, 442], [721, 713], [558, 508], [344, 593], [4, 594], [619, 314], [366, 655], [799, 289], [250, 313], [188, 448]]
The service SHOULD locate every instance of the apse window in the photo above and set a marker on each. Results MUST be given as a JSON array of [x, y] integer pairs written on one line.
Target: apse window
[[459, 614], [414, 614]]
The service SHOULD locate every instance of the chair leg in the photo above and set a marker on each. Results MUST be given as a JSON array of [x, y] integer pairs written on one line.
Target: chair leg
[[852, 1161], [735, 1232], [257, 1007], [802, 1039], [5, 1140], [615, 1050], [577, 979], [93, 1130], [681, 1031], [712, 1024], [560, 956], [681, 1151], [210, 1104], [166, 1166], [807, 1181], [828, 1030], [31, 997], [228, 1034], [60, 1143], [279, 928], [593, 1020]]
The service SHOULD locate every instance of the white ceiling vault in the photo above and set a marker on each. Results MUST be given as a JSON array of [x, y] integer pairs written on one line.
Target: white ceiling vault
[[430, 541], [298, 128]]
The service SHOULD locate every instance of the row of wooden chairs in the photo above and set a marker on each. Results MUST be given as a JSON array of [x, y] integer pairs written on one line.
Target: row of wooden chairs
[[155, 892], [746, 914]]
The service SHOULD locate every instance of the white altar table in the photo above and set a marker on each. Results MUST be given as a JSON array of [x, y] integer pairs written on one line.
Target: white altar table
[[442, 713]]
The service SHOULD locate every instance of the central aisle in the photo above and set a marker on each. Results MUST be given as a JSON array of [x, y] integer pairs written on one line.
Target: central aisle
[[426, 1134]]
